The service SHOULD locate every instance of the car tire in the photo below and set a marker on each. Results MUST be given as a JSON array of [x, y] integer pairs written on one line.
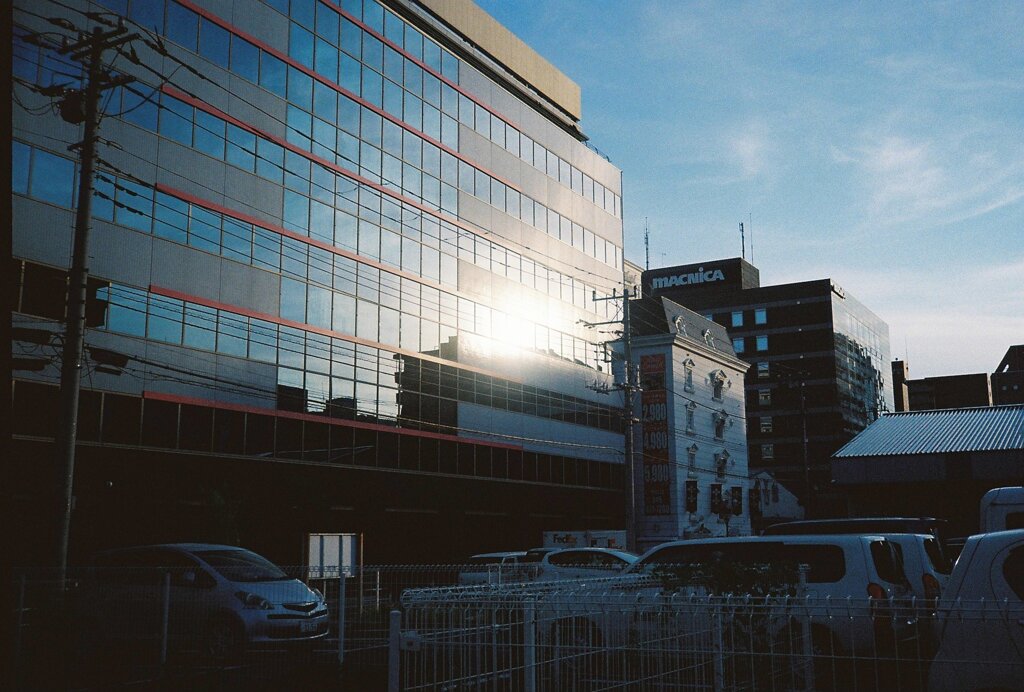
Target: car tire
[[224, 641]]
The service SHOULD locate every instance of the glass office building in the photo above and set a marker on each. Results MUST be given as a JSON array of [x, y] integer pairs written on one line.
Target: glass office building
[[342, 255]]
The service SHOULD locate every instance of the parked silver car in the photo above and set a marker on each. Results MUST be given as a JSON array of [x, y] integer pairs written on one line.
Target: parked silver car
[[223, 599]]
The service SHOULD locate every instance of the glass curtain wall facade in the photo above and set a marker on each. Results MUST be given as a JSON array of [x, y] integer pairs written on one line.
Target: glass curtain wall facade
[[336, 217]]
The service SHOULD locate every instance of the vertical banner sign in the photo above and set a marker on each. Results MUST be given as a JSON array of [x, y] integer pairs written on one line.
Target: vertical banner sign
[[654, 418]]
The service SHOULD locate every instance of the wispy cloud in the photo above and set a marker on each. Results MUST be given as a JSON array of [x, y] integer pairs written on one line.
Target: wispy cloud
[[749, 147], [946, 178], [907, 179]]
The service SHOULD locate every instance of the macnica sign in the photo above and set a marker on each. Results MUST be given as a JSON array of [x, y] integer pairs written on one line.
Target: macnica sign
[[698, 277]]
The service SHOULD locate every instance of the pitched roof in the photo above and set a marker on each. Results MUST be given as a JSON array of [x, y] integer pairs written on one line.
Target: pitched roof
[[986, 428], [660, 315]]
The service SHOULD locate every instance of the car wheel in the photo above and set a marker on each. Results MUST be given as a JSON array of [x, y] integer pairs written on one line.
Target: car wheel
[[224, 641]]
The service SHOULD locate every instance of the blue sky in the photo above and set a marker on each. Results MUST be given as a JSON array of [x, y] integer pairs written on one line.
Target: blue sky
[[879, 144]]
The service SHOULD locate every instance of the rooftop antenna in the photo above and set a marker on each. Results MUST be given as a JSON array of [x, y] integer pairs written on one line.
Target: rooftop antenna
[[647, 246], [743, 242], [750, 219]]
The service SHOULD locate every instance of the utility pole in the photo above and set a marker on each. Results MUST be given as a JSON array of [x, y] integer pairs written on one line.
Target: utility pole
[[629, 387], [80, 106], [803, 422]]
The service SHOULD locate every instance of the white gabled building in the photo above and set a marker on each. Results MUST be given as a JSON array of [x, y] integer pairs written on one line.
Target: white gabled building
[[691, 443]]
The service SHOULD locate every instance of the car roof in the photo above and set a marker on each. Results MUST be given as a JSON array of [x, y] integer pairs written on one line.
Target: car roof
[[594, 549], [506, 553], [796, 539], [855, 524], [183, 547], [782, 538]]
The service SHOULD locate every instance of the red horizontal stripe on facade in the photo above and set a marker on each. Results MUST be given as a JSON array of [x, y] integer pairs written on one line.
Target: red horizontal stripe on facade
[[242, 408]]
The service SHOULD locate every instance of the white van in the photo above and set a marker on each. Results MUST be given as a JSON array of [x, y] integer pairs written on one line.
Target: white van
[[1002, 509], [863, 572]]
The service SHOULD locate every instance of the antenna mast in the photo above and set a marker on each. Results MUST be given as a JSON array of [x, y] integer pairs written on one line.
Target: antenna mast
[[743, 242], [750, 218], [647, 246]]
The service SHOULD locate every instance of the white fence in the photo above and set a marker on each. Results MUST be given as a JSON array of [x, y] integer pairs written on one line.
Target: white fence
[[631, 634]]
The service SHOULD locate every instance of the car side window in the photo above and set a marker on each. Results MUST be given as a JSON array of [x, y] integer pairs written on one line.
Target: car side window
[[1013, 571], [888, 566], [938, 560], [569, 557], [827, 563]]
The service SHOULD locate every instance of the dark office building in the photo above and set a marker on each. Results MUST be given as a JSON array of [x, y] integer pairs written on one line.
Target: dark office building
[[1002, 387], [949, 391], [1008, 379], [819, 366]]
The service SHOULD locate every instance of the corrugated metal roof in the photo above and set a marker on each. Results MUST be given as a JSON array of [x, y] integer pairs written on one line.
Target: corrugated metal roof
[[936, 432]]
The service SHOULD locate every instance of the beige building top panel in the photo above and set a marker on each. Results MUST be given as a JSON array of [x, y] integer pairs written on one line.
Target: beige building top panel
[[502, 45]]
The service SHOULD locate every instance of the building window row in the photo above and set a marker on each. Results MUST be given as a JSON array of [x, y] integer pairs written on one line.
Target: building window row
[[736, 317], [351, 147], [108, 418], [739, 344]]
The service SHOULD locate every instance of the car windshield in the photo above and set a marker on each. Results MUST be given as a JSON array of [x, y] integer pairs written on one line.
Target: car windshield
[[242, 566]]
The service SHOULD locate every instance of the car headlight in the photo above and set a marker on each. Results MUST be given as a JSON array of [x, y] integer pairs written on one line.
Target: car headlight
[[251, 600], [319, 595]]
